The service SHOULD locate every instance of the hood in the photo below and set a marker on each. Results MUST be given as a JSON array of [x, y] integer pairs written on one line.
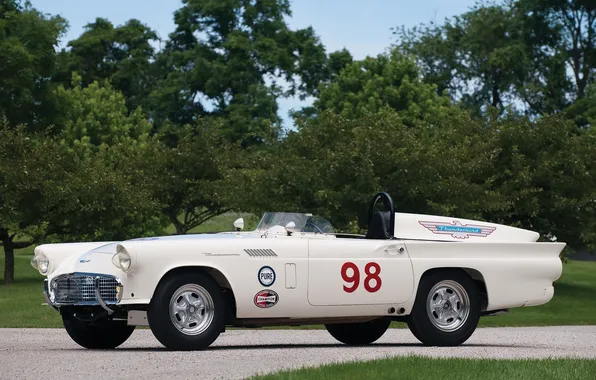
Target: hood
[[217, 235], [443, 228]]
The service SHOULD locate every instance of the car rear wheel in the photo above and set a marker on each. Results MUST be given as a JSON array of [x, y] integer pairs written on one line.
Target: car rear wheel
[[97, 335], [447, 309], [358, 333], [187, 312]]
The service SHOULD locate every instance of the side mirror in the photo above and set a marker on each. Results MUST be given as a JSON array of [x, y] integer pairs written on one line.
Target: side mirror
[[239, 224], [290, 227]]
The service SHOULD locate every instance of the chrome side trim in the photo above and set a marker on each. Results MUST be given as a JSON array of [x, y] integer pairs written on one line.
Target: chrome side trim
[[99, 299]]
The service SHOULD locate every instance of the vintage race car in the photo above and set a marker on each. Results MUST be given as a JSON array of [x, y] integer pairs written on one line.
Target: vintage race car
[[438, 274]]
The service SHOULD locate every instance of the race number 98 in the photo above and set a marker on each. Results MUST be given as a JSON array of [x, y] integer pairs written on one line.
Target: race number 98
[[350, 273]]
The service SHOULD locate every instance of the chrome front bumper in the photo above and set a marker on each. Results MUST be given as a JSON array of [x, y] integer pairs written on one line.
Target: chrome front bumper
[[83, 289]]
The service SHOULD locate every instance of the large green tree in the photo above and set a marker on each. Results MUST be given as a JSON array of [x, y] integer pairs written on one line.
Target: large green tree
[[546, 172], [333, 165], [122, 55], [97, 115], [27, 61], [49, 192], [530, 56], [387, 81], [228, 58], [188, 170], [571, 24]]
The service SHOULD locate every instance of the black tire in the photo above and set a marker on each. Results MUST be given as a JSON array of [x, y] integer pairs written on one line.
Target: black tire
[[421, 323], [162, 325], [358, 334], [97, 335]]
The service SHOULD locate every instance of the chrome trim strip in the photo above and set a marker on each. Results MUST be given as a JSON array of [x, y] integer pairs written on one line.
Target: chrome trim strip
[[99, 299], [46, 294]]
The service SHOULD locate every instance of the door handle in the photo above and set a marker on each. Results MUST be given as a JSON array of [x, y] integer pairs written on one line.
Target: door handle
[[393, 250]]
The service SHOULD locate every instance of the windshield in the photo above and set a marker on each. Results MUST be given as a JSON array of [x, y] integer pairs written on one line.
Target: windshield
[[304, 222]]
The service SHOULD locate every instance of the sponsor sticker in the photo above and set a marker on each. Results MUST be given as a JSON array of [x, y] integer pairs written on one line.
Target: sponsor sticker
[[266, 276], [266, 298]]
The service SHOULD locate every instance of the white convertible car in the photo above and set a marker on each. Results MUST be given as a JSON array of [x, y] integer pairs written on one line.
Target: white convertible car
[[438, 274]]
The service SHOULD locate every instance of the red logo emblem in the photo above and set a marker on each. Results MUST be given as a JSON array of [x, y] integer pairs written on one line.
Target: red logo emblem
[[266, 298]]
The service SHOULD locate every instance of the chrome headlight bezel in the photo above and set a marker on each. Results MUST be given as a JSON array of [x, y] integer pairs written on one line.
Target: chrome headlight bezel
[[122, 259], [40, 262]]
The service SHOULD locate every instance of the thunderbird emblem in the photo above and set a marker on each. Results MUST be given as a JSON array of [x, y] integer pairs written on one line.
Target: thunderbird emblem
[[458, 230]]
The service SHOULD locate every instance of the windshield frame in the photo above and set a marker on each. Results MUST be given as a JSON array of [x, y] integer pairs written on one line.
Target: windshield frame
[[305, 222]]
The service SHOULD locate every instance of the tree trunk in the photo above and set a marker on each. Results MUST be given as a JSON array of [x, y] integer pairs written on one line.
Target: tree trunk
[[8, 257]]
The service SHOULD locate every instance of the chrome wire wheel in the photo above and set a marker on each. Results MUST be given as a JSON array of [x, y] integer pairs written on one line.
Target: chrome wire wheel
[[448, 305], [191, 309]]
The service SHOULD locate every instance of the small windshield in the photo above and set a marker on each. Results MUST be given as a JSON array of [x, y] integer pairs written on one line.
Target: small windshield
[[304, 222]]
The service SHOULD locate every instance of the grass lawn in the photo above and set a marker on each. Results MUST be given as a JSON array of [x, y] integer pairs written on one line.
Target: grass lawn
[[419, 368], [573, 303]]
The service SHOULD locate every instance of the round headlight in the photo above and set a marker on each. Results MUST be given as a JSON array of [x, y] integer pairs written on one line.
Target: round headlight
[[122, 259], [41, 263]]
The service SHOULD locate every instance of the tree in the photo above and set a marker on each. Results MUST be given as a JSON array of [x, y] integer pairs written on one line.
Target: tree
[[333, 165], [572, 25], [509, 53], [388, 81], [546, 171], [583, 111], [187, 170], [225, 59], [49, 192], [478, 57], [27, 61], [96, 115], [122, 55]]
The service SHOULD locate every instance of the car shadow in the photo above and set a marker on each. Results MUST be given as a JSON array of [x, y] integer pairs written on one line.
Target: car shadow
[[293, 346]]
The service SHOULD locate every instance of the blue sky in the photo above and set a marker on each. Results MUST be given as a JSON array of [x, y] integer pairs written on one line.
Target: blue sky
[[362, 27]]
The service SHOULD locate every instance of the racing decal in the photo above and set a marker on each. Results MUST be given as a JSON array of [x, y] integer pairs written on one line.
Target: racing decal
[[458, 230], [266, 298], [266, 276], [260, 252], [372, 279]]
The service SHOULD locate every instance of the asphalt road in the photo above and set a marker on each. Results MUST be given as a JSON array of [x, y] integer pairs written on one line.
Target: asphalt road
[[50, 354]]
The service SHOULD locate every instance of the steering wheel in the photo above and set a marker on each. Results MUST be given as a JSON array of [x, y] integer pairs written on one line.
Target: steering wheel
[[388, 203], [316, 228]]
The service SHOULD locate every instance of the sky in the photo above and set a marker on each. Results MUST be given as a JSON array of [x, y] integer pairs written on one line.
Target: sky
[[362, 27]]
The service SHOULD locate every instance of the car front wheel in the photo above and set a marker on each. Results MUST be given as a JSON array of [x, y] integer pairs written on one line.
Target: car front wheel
[[447, 309], [358, 333], [187, 312], [97, 335]]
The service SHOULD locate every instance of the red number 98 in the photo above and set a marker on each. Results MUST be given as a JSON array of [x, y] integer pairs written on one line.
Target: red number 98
[[372, 271]]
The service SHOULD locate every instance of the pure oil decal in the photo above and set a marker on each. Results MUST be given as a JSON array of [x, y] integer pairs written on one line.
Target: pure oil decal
[[266, 298], [266, 276]]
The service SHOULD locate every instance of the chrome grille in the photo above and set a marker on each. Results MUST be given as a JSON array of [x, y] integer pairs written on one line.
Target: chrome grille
[[80, 288]]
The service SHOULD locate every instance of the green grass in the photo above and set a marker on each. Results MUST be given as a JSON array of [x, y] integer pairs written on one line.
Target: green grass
[[573, 303], [420, 368], [21, 302]]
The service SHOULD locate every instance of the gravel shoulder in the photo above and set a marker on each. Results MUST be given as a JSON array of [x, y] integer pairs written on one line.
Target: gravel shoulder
[[51, 354]]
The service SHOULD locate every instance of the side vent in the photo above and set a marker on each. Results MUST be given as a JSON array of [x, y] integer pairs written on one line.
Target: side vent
[[260, 252]]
